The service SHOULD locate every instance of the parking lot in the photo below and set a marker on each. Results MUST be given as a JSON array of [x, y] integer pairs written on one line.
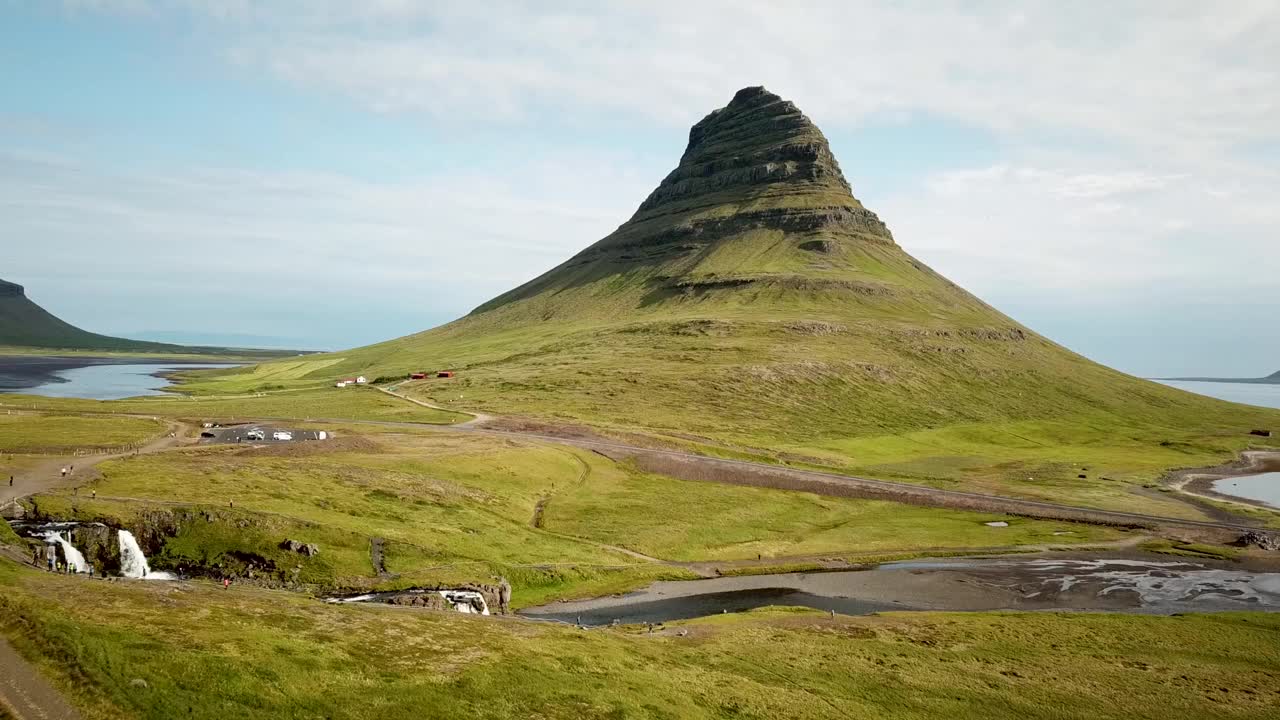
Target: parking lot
[[259, 435]]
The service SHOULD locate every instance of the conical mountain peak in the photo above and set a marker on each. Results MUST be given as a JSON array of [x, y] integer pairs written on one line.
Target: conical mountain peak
[[756, 199], [755, 142]]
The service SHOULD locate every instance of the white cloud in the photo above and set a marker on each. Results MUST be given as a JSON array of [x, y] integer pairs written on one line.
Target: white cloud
[[1094, 237], [1178, 75]]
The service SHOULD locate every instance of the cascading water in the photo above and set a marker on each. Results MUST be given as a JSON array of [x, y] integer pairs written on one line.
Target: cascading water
[[133, 563], [74, 557]]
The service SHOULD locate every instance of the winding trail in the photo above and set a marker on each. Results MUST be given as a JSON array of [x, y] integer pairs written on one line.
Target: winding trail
[[47, 474], [476, 420]]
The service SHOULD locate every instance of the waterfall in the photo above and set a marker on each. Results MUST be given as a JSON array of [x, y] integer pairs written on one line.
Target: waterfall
[[133, 563], [74, 557]]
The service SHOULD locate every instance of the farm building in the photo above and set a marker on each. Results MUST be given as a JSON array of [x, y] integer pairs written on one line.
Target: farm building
[[445, 374]]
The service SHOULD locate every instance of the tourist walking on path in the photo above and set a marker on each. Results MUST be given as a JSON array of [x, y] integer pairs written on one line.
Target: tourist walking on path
[[64, 471], [10, 481]]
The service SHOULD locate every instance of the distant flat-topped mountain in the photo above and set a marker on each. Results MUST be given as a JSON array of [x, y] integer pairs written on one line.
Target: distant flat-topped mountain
[[1272, 379], [25, 324], [751, 298]]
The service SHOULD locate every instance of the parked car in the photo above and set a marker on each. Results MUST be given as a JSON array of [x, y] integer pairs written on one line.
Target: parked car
[[256, 435], [281, 435]]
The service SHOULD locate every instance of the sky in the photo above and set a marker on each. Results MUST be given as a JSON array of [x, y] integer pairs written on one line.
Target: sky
[[325, 174]]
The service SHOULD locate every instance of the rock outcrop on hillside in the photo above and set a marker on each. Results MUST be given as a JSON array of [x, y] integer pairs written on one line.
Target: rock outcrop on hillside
[[8, 289]]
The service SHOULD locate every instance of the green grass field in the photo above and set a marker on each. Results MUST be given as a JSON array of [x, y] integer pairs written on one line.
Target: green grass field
[[52, 434], [462, 507], [681, 520], [205, 652]]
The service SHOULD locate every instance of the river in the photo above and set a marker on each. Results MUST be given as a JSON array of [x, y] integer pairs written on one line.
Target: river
[[1141, 584]]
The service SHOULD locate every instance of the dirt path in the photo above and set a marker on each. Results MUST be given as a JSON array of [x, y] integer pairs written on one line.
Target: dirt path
[[26, 695], [47, 474], [476, 420]]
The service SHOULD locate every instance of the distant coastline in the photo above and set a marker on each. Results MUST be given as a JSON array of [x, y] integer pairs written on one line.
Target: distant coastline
[[1272, 379]]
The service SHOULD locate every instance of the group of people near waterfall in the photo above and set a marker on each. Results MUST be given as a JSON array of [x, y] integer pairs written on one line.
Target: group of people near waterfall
[[55, 565]]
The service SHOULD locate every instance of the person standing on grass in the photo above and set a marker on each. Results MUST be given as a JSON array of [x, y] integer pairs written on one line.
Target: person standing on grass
[[10, 481]]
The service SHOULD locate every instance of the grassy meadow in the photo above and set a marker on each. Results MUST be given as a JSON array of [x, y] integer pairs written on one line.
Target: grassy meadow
[[52, 434], [205, 652], [462, 507]]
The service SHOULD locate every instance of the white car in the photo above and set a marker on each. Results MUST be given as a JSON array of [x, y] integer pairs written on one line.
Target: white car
[[256, 435], [281, 435]]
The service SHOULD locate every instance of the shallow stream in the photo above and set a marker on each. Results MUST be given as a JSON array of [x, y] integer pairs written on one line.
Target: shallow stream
[[1108, 584]]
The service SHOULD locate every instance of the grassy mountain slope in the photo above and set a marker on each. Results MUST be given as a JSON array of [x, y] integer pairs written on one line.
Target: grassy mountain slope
[[752, 300]]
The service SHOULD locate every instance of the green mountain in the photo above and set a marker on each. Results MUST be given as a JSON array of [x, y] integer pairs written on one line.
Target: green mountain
[[25, 324], [752, 300]]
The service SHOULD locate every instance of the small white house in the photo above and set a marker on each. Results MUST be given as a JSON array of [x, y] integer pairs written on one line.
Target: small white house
[[361, 380], [340, 383]]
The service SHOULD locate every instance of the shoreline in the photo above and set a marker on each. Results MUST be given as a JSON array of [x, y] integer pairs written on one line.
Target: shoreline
[[1198, 482], [20, 373]]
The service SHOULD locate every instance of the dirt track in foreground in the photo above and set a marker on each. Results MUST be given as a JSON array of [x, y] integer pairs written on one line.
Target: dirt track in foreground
[[25, 694]]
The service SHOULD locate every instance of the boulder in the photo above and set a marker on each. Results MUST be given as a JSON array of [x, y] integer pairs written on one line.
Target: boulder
[[1260, 540], [301, 548]]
